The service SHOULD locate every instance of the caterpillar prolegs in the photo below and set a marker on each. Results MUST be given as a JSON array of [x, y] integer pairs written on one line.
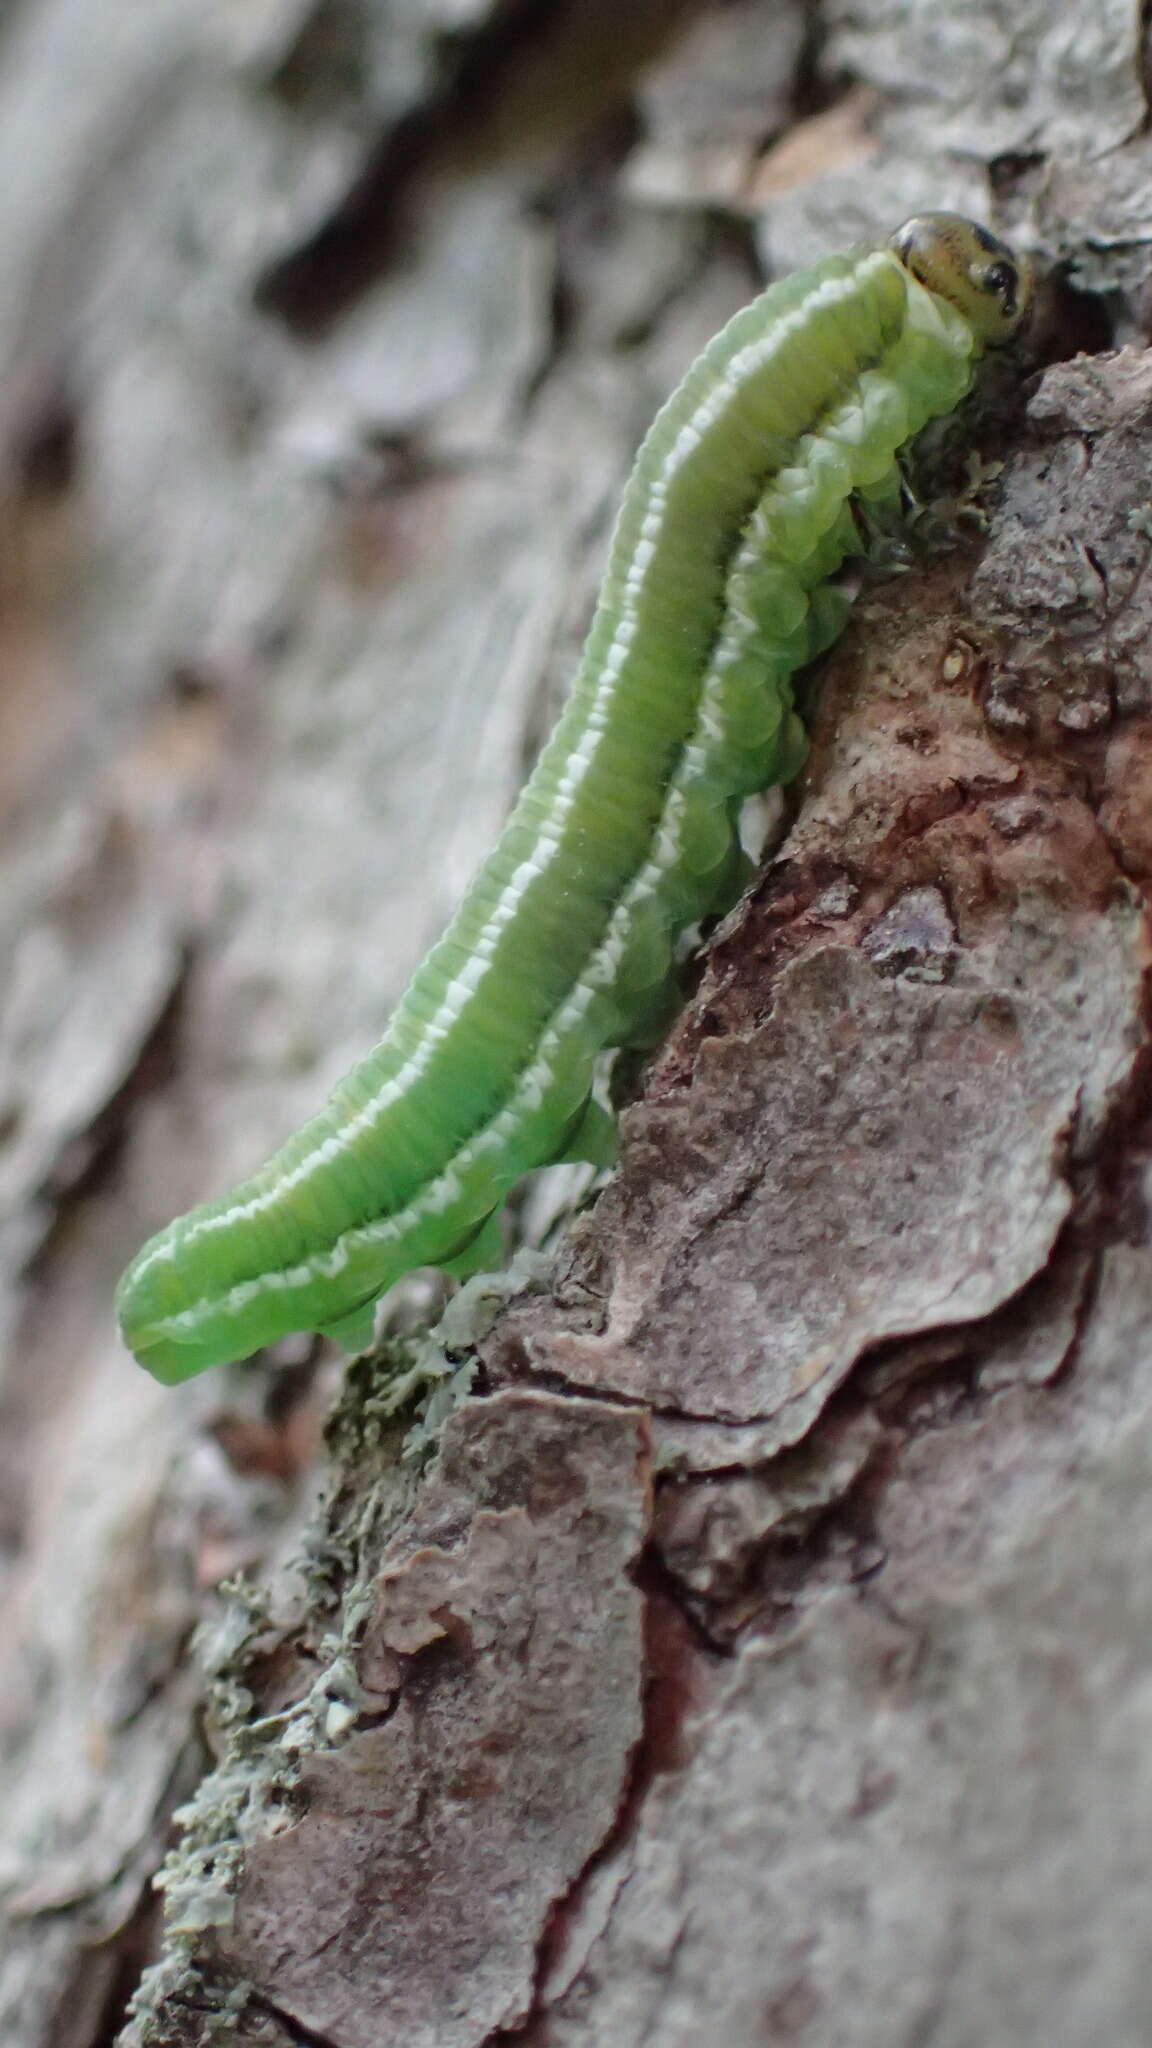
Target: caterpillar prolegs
[[737, 513]]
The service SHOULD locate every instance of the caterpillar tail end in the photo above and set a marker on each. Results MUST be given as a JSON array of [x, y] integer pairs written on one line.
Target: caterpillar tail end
[[145, 1325], [167, 1362]]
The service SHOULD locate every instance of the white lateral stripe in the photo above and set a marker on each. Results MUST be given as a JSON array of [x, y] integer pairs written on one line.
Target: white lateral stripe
[[439, 1194], [748, 360]]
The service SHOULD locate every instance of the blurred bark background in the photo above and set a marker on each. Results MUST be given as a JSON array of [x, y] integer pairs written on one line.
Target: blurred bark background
[[761, 1652]]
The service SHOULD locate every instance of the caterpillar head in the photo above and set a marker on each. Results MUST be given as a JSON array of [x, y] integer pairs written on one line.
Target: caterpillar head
[[976, 272]]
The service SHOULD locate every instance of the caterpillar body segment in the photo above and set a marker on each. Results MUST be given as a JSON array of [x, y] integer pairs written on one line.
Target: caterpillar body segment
[[736, 515]]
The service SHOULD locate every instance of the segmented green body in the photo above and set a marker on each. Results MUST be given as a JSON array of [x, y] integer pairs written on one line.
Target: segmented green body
[[735, 516]]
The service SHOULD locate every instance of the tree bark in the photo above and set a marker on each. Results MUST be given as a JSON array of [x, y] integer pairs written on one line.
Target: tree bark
[[743, 1638]]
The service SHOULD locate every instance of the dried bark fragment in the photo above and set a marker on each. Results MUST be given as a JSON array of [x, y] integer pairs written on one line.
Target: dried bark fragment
[[499, 1704], [877, 1159], [920, 1812], [709, 1531]]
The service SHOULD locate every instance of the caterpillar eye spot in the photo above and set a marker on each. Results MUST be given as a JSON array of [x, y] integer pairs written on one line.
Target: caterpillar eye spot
[[1002, 279]]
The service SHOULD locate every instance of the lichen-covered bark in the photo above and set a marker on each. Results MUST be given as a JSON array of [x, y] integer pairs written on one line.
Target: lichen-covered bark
[[749, 1643], [499, 1674]]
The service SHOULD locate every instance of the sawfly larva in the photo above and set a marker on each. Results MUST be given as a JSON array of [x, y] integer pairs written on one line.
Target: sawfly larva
[[738, 512]]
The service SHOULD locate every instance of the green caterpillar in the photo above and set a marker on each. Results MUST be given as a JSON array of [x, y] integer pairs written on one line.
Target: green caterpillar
[[736, 515]]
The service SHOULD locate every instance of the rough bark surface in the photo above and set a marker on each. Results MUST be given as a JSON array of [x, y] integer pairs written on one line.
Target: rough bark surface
[[749, 1644], [499, 1677]]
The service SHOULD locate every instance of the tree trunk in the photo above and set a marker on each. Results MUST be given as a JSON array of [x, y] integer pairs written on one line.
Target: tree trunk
[[729, 1629]]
